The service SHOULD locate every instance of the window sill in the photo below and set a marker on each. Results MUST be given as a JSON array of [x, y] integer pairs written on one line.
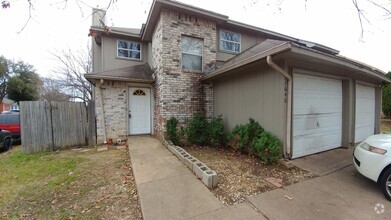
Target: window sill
[[129, 59], [229, 52], [192, 71]]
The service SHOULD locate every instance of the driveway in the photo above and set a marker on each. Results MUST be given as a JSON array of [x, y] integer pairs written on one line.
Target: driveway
[[343, 194], [168, 190]]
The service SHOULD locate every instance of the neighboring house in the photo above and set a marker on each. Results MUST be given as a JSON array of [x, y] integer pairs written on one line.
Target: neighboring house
[[7, 105], [186, 60]]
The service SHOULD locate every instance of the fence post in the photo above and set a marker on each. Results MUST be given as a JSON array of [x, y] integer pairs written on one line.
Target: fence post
[[91, 124]]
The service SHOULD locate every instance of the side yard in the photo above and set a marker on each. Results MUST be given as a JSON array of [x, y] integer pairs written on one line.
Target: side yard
[[70, 184]]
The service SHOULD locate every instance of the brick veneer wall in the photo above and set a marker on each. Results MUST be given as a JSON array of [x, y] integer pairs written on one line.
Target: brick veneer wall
[[178, 92], [114, 104]]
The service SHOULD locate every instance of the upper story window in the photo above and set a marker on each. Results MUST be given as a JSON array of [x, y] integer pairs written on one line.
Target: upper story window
[[229, 41], [192, 53], [129, 49]]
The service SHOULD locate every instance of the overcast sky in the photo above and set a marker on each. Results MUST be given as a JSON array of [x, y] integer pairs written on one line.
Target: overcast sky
[[333, 23]]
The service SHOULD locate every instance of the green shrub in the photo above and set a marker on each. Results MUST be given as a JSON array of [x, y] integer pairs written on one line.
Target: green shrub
[[267, 147], [217, 136], [243, 135], [172, 131], [197, 130]]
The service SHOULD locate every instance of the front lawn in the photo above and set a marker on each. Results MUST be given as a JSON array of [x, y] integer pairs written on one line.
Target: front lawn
[[69, 184]]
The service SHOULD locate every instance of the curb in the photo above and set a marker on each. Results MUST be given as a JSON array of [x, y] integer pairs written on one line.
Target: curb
[[203, 172]]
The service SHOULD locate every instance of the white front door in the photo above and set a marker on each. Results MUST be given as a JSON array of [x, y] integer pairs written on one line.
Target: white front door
[[365, 112], [139, 111], [317, 114]]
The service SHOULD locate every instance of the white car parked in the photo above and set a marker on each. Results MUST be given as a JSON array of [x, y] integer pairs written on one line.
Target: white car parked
[[372, 158]]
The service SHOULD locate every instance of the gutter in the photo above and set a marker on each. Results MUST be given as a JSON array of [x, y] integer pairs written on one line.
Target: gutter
[[288, 148]]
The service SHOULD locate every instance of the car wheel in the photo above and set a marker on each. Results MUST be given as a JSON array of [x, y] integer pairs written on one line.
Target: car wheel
[[385, 183], [7, 144]]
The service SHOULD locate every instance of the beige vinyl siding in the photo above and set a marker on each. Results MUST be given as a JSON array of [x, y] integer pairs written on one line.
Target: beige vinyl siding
[[110, 60], [97, 57], [257, 92]]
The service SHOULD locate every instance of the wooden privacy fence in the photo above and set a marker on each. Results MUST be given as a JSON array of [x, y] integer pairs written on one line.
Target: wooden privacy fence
[[53, 125]]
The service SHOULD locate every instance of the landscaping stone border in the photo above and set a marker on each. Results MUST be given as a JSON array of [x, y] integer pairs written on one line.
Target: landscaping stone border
[[203, 172]]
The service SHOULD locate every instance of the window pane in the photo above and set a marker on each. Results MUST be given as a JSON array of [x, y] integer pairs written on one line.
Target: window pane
[[134, 54], [230, 46], [2, 119], [122, 53], [134, 46], [192, 45], [122, 44], [191, 62], [13, 119], [230, 36]]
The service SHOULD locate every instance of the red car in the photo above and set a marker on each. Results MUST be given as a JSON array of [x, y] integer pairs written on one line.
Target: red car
[[11, 122]]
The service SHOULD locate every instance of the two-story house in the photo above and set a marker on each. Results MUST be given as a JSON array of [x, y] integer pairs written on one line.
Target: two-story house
[[185, 60]]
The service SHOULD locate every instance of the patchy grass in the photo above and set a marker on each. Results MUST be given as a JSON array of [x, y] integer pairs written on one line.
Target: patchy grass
[[385, 125], [69, 184], [241, 175]]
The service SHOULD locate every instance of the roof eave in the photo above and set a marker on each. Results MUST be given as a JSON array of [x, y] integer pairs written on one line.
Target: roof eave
[[100, 30], [272, 51], [376, 73], [92, 77]]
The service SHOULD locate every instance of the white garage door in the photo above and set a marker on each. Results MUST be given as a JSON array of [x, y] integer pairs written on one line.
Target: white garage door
[[365, 112], [317, 114]]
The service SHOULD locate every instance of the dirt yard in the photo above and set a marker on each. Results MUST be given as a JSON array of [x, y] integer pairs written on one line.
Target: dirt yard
[[241, 175], [69, 184]]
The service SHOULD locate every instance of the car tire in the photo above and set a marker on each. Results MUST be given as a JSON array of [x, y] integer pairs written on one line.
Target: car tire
[[7, 144], [385, 183]]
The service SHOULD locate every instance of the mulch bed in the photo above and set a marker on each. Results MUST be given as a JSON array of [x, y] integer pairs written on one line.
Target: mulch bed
[[241, 175]]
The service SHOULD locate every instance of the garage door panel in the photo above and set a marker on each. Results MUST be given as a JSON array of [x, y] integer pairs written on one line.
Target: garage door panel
[[307, 124], [365, 112], [317, 114]]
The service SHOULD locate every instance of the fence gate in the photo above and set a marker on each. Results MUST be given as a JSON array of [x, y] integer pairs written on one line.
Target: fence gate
[[52, 125]]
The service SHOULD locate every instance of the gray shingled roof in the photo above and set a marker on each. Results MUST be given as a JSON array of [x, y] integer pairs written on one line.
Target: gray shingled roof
[[139, 73]]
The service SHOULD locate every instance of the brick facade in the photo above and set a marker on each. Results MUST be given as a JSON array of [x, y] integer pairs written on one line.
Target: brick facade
[[178, 92], [114, 105]]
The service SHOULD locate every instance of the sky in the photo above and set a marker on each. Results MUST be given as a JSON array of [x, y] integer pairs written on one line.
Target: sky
[[55, 26]]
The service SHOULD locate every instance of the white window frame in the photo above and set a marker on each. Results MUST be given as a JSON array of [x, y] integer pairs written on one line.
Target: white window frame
[[130, 58], [193, 54], [221, 40]]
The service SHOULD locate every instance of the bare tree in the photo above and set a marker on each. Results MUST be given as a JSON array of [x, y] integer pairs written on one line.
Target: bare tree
[[73, 64], [81, 4], [52, 90], [383, 9]]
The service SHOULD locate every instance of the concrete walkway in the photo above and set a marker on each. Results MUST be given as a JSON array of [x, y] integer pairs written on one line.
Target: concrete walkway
[[167, 189]]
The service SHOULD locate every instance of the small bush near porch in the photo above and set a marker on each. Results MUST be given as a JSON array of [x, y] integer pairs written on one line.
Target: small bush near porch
[[69, 184]]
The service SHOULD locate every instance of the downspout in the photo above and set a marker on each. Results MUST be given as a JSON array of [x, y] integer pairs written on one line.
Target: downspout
[[102, 109], [287, 150]]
